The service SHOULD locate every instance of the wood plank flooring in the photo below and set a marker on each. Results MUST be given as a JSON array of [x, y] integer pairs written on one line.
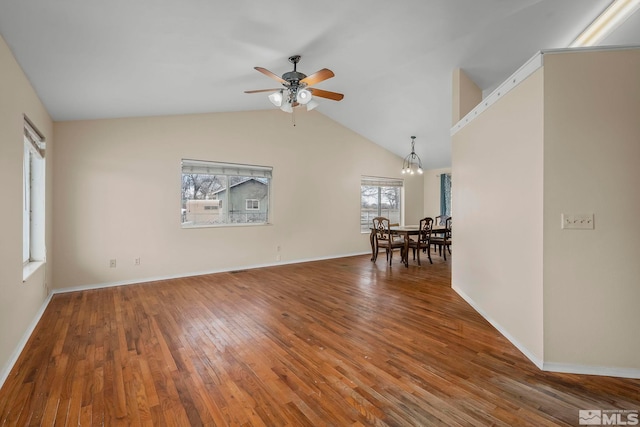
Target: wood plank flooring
[[342, 342]]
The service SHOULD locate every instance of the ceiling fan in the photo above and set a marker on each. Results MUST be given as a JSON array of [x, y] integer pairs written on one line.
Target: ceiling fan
[[297, 87]]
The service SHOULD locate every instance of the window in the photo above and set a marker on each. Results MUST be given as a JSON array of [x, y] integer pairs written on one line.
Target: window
[[215, 194], [380, 197], [33, 189]]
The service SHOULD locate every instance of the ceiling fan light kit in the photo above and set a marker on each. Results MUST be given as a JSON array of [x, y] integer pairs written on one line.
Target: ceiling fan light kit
[[412, 163], [311, 105], [303, 96], [276, 98], [297, 88], [287, 107]]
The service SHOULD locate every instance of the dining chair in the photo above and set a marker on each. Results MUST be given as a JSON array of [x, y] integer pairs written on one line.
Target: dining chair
[[395, 236], [384, 239], [440, 221], [448, 240], [443, 241], [423, 240]]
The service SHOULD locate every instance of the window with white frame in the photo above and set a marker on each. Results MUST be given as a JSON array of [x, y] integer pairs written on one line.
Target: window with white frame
[[252, 204], [33, 195], [380, 197], [215, 193]]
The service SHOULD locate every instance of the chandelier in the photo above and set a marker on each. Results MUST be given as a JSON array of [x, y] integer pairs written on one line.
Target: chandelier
[[412, 162]]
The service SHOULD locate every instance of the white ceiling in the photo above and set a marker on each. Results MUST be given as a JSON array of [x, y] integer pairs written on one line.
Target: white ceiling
[[392, 60]]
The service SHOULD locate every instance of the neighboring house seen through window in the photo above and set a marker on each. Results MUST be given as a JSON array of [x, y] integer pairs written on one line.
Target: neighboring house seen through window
[[215, 193]]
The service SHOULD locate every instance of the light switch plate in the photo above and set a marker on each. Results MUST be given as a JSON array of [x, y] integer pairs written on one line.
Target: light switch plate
[[577, 221]]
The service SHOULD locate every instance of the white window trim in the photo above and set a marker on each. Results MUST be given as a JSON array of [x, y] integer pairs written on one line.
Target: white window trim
[[30, 268], [34, 159], [374, 181], [247, 207], [229, 169]]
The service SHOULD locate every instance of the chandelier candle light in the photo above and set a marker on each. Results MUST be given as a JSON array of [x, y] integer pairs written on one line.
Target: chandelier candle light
[[412, 162]]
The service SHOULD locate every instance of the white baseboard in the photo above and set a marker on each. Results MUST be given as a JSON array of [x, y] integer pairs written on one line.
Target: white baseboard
[[566, 368], [6, 370], [592, 370], [196, 273]]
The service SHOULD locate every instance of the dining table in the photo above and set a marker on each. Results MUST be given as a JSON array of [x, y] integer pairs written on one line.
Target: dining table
[[405, 231]]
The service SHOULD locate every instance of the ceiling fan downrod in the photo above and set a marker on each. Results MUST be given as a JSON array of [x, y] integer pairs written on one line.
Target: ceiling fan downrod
[[294, 59], [294, 77]]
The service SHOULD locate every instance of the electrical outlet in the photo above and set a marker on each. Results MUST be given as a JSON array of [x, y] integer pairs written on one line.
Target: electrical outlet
[[137, 261], [112, 263]]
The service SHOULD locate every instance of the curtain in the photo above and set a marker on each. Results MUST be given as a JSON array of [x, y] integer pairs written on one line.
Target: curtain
[[445, 194]]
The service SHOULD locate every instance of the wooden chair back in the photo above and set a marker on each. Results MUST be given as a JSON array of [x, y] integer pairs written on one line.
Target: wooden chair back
[[426, 225], [441, 220], [381, 228]]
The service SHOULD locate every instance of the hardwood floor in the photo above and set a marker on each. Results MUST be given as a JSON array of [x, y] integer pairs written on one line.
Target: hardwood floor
[[342, 342]]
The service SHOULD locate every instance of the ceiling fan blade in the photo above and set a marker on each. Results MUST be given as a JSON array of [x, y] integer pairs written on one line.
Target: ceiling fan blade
[[317, 77], [270, 74], [262, 90], [326, 94]]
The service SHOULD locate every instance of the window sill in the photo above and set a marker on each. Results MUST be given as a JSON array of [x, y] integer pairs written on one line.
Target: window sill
[[30, 268], [247, 224]]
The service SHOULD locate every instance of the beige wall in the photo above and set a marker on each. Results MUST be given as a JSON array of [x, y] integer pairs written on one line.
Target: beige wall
[[592, 150], [19, 302], [466, 95], [497, 200], [413, 197], [107, 169], [566, 140]]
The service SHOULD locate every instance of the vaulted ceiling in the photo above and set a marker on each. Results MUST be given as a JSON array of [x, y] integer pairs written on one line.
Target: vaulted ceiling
[[392, 60]]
